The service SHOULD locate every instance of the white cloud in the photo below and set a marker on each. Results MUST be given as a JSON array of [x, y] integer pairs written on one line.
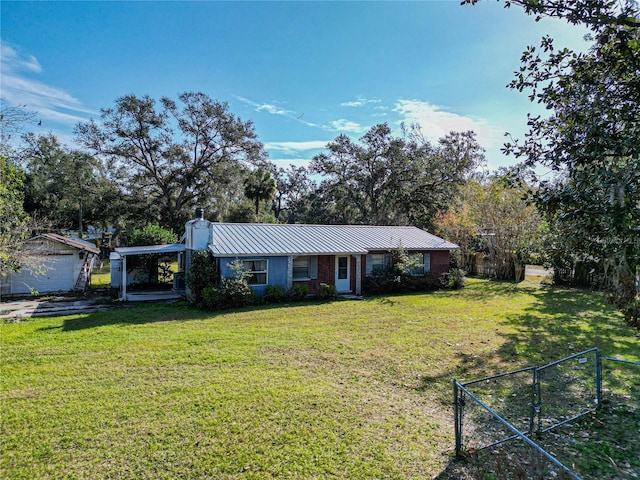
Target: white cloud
[[266, 107], [274, 110], [437, 122], [346, 126], [271, 109], [360, 102], [296, 147], [286, 162], [50, 103]]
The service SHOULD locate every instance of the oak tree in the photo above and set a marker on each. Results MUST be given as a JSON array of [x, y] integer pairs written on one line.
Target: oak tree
[[178, 153]]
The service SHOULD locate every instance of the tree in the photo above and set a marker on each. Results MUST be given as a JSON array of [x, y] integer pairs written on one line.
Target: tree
[[592, 138], [393, 180], [14, 228], [259, 186], [15, 224], [292, 188], [178, 155], [151, 235], [69, 187], [13, 121], [492, 217]]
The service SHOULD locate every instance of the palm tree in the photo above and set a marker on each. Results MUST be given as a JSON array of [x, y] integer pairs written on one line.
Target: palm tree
[[259, 186]]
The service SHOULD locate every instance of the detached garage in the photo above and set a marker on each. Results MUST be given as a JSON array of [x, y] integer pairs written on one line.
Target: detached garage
[[62, 264]]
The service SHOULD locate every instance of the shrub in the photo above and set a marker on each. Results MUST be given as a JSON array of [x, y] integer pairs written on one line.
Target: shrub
[[210, 298], [405, 283], [274, 294], [300, 291], [456, 278], [202, 274], [327, 291], [234, 293], [152, 235]]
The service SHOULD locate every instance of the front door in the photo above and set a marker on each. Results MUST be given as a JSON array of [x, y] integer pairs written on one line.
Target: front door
[[343, 273]]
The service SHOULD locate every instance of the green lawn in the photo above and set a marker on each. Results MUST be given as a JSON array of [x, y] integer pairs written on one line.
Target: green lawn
[[348, 389]]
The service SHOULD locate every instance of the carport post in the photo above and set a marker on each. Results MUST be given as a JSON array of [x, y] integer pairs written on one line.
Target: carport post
[[124, 278]]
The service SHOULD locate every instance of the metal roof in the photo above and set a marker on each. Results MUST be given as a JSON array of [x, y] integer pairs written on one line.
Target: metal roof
[[70, 241], [245, 239], [151, 249]]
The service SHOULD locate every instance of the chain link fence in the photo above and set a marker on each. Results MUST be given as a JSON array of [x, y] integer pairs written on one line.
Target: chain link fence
[[502, 420]]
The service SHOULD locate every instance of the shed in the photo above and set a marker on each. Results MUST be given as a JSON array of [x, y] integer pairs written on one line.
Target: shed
[[63, 264]]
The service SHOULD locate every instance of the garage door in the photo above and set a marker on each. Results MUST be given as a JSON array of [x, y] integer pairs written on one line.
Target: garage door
[[58, 276]]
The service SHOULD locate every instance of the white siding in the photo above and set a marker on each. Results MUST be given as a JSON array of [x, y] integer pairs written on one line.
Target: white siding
[[57, 276]]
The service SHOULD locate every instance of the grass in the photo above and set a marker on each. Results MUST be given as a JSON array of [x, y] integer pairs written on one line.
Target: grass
[[101, 275], [346, 389]]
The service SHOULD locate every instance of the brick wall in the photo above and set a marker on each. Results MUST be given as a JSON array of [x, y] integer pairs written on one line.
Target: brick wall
[[440, 261], [326, 273]]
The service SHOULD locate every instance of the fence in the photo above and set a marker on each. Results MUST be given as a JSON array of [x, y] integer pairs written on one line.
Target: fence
[[513, 406]]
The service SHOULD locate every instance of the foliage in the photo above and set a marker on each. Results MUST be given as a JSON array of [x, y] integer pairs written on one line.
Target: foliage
[[293, 187], [13, 122], [178, 155], [274, 294], [456, 278], [386, 180], [405, 264], [259, 186], [390, 283], [233, 291], [69, 187], [299, 291], [14, 227], [152, 235], [201, 274], [492, 217], [592, 138], [327, 291]]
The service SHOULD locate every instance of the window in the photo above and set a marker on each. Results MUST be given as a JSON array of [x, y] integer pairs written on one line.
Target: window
[[378, 264], [305, 267], [301, 267], [343, 268], [257, 270], [420, 263], [427, 262], [416, 265]]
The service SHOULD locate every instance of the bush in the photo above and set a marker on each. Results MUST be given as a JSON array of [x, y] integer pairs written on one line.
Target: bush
[[152, 235], [201, 275], [274, 294], [235, 293], [405, 283], [232, 293], [327, 291], [210, 298], [300, 291], [456, 278]]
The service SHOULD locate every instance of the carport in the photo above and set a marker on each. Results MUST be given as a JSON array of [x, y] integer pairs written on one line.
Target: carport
[[120, 279]]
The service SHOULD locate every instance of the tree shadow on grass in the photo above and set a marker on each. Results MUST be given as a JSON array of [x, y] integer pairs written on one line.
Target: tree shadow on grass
[[160, 311], [560, 322]]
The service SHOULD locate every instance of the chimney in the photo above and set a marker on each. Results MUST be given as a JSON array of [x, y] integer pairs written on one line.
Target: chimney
[[199, 213]]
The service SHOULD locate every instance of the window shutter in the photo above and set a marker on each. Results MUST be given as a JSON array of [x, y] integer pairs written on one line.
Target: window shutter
[[368, 265], [426, 260], [313, 266]]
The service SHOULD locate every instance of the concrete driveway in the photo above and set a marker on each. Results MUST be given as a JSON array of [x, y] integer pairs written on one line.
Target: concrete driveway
[[17, 309]]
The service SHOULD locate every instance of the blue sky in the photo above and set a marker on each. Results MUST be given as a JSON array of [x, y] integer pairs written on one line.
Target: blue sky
[[303, 72]]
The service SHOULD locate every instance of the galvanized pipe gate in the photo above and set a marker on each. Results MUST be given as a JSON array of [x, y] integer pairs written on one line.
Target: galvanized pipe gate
[[538, 395]]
